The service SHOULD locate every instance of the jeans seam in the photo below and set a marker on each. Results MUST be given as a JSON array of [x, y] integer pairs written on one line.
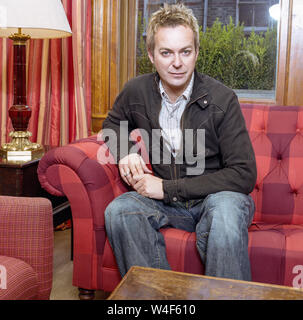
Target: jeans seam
[[158, 251], [143, 203], [137, 199]]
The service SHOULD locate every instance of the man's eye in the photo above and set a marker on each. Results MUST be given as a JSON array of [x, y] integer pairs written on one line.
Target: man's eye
[[165, 53], [186, 52]]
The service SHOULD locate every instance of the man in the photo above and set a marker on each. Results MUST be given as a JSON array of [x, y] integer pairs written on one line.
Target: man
[[212, 200]]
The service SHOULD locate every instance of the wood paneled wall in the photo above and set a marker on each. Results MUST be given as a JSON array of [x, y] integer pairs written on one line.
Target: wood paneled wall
[[283, 52], [293, 94], [114, 54], [128, 40]]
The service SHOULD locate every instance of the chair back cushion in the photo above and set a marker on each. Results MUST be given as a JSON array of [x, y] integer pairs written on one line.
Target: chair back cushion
[[276, 133]]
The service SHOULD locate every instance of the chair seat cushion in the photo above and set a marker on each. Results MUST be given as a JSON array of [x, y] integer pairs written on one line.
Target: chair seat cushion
[[18, 280], [274, 251]]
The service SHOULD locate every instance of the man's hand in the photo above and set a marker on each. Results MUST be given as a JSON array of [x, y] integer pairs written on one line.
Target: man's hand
[[149, 186], [131, 167], [135, 173]]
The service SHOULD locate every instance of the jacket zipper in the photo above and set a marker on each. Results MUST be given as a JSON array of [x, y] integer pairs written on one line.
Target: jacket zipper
[[182, 125]]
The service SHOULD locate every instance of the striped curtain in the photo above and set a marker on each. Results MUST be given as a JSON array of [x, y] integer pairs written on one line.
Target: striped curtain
[[58, 82]]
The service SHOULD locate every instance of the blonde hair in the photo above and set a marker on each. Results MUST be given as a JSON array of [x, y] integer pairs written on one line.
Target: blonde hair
[[171, 15]]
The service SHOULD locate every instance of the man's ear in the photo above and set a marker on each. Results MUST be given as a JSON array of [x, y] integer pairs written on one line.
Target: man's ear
[[151, 56]]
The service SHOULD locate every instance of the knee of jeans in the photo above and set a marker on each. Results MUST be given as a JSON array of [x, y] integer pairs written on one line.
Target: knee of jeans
[[229, 206], [119, 207], [114, 209], [229, 198]]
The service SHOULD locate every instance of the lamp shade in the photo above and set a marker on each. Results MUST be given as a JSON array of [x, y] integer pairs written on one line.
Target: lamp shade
[[40, 19]]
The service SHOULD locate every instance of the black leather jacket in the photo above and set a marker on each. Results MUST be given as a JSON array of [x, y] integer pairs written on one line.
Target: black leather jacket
[[229, 157]]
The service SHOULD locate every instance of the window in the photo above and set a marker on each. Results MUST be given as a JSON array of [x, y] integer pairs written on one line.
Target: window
[[238, 43], [254, 14]]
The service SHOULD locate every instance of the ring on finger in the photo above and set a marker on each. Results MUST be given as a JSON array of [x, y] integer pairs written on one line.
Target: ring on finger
[[127, 174]]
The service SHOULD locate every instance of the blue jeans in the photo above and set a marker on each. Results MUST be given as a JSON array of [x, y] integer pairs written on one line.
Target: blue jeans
[[220, 221]]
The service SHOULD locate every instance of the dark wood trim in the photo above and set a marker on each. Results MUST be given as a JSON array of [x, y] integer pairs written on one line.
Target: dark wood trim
[[283, 51], [114, 34]]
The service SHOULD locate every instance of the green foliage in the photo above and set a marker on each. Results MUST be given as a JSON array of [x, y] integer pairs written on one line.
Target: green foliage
[[227, 54], [143, 63]]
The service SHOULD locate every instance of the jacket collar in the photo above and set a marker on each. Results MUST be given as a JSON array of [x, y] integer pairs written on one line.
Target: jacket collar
[[200, 92]]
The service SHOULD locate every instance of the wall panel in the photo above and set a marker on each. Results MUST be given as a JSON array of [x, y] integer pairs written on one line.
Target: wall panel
[[113, 53], [294, 93]]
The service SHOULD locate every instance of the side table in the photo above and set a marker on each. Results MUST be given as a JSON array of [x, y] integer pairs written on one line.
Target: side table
[[19, 178]]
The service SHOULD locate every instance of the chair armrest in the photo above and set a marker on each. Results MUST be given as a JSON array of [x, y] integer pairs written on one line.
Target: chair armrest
[[81, 172], [26, 233], [75, 171], [21, 281]]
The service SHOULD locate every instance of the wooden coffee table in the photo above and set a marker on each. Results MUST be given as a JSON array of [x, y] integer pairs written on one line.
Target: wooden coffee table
[[154, 284]]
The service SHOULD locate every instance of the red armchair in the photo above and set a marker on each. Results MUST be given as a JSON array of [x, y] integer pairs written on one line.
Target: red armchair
[[275, 237], [26, 248]]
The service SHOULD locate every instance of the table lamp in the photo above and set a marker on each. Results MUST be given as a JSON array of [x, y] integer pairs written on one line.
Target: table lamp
[[21, 20]]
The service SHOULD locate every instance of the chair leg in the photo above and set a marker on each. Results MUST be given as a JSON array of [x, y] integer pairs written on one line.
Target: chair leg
[[86, 294]]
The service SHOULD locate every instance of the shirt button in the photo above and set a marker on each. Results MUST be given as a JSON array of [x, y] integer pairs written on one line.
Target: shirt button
[[175, 199], [205, 101]]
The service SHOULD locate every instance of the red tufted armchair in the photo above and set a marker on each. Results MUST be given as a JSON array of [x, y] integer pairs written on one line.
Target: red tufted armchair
[[275, 236], [26, 248]]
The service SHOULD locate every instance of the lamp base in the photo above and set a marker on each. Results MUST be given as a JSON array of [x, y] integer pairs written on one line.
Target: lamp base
[[21, 148]]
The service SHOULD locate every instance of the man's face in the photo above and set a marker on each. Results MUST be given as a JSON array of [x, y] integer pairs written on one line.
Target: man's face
[[174, 58]]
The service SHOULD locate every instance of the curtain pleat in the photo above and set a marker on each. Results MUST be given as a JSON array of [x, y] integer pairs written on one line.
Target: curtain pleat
[[58, 82], [3, 93], [56, 78]]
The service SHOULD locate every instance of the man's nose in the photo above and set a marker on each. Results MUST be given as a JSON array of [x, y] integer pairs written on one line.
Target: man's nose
[[177, 63]]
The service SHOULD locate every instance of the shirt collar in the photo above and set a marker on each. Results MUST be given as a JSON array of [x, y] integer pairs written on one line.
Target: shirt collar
[[186, 94]]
